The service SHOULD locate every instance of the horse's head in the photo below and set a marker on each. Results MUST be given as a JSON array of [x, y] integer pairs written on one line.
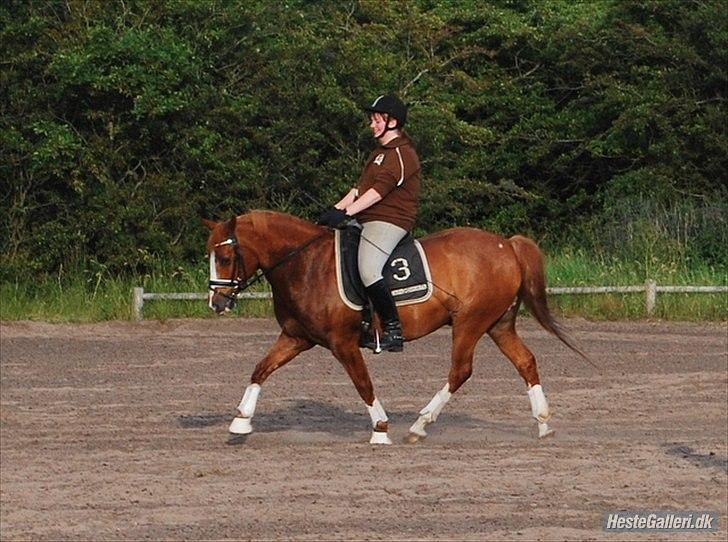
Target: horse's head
[[227, 264]]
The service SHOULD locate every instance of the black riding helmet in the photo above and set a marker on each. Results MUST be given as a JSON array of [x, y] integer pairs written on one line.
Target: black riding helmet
[[392, 106]]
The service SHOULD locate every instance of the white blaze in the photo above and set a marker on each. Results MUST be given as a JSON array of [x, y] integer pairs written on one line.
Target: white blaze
[[213, 266], [213, 276]]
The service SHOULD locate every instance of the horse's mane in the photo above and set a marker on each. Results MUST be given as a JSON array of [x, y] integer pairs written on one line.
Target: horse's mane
[[264, 221]]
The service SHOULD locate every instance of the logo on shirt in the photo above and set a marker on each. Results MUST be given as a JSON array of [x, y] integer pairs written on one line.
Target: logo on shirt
[[379, 159]]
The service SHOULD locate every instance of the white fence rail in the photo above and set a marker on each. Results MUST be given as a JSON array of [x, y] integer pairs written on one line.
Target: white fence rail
[[650, 289]]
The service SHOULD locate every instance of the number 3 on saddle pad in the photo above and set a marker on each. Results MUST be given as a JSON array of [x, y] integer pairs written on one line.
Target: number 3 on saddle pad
[[407, 272]]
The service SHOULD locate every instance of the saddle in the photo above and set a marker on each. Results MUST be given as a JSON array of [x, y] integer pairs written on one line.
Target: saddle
[[407, 272]]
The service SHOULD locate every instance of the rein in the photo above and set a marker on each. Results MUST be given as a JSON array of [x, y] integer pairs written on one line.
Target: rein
[[237, 284]]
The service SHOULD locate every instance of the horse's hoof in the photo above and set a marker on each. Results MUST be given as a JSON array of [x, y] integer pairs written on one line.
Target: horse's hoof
[[236, 440], [413, 438]]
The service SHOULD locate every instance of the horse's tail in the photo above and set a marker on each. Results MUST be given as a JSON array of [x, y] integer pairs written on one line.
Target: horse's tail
[[533, 288]]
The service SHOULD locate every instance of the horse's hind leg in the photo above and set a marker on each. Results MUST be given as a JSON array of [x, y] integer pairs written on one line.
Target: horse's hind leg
[[350, 357], [504, 335], [283, 350], [465, 338]]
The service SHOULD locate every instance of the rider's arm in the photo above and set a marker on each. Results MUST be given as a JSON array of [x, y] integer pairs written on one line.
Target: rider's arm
[[369, 198], [347, 200]]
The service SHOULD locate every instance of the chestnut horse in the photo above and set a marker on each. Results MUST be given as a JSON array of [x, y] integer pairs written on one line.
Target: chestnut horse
[[480, 280]]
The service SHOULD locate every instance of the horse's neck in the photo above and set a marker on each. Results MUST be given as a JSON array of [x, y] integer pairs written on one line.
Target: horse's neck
[[278, 234]]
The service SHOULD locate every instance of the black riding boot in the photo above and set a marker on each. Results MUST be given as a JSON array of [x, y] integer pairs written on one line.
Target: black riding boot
[[391, 339]]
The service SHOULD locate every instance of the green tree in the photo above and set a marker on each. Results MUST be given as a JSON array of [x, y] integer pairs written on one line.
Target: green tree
[[123, 123]]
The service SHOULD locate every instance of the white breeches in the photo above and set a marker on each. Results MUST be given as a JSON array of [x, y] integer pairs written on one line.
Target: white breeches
[[378, 240]]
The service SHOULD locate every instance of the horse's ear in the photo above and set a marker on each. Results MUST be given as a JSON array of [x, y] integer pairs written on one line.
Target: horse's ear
[[231, 224], [209, 224]]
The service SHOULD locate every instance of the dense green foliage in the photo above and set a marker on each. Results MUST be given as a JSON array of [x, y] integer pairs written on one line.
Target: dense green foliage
[[596, 124]]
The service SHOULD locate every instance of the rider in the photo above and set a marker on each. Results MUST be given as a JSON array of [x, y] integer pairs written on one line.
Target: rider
[[385, 202]]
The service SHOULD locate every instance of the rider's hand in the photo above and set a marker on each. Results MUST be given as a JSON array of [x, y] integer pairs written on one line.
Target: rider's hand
[[333, 217]]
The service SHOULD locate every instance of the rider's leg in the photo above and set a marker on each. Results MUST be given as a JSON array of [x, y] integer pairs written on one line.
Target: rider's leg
[[391, 339], [378, 240]]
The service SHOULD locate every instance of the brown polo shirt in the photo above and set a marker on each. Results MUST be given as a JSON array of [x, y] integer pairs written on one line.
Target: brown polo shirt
[[393, 170]]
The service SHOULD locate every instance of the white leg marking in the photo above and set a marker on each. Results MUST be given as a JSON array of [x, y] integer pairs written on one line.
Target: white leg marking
[[544, 431], [418, 428], [249, 400], [431, 411], [377, 414], [539, 405], [241, 423], [240, 426], [540, 410], [436, 404]]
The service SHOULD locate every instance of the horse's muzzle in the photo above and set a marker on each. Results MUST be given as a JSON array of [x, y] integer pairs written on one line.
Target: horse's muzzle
[[222, 302]]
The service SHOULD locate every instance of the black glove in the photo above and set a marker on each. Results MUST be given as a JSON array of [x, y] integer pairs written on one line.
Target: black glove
[[332, 217]]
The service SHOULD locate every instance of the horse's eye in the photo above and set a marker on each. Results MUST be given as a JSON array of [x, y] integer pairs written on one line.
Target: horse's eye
[[224, 261]]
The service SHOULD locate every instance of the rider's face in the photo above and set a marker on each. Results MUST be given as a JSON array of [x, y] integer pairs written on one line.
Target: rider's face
[[378, 123]]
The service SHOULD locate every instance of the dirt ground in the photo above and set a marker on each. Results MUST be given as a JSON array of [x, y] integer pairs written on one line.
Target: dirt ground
[[118, 431]]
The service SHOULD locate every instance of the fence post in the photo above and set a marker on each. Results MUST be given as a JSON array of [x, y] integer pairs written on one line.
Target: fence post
[[650, 296], [137, 303]]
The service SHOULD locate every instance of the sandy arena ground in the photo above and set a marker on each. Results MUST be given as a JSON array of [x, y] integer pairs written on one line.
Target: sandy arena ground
[[118, 431]]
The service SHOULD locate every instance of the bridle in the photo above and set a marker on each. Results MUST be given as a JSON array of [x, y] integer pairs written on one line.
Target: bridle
[[238, 284]]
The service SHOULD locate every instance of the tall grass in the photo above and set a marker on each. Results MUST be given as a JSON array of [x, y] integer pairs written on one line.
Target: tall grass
[[577, 269], [84, 297], [656, 237], [634, 239]]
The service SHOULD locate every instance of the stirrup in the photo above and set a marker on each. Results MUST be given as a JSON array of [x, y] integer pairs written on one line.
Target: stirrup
[[390, 340], [390, 343], [366, 338], [369, 339]]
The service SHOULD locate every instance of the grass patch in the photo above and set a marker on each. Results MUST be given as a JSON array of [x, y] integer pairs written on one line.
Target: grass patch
[[669, 306], [577, 269], [78, 297], [88, 297]]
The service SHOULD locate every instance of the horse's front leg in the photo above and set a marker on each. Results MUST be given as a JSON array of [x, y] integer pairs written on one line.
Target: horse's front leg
[[350, 357], [283, 350]]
